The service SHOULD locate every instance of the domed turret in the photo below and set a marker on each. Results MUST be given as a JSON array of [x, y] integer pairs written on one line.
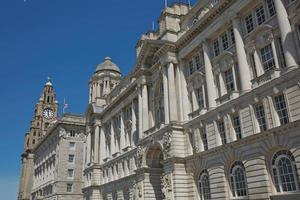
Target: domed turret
[[106, 77], [107, 64]]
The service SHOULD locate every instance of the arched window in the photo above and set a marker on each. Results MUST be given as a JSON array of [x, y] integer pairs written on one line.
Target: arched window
[[159, 103], [204, 187], [284, 172], [238, 180]]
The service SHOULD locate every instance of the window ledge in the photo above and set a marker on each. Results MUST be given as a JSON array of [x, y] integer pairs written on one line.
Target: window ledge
[[275, 73], [197, 112], [229, 96], [286, 196]]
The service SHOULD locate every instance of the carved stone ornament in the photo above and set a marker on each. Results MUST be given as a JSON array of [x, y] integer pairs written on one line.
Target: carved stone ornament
[[167, 189], [167, 139], [107, 138], [138, 191], [139, 156], [196, 149], [62, 133]]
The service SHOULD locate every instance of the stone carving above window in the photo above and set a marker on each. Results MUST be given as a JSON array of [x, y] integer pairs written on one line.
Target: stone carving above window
[[166, 142], [167, 188]]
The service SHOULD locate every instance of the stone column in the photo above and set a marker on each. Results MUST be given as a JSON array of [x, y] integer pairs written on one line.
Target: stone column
[[184, 93], [258, 64], [274, 52], [209, 77], [122, 136], [166, 95], [194, 101], [96, 142], [140, 109], [88, 160], [244, 70], [288, 43], [112, 139], [145, 107], [102, 145], [133, 126], [172, 92], [223, 89]]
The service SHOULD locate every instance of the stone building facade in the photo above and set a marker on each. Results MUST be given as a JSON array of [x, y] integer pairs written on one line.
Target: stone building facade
[[211, 110], [45, 114], [58, 161]]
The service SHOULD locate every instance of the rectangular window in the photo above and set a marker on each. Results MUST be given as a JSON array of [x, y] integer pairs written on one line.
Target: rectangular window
[[71, 158], [221, 128], [281, 109], [267, 58], [70, 173], [237, 126], [72, 133], [72, 145], [225, 43], [229, 80], [216, 47], [249, 23], [199, 61], [204, 138], [191, 67], [260, 15], [232, 36], [271, 7], [200, 97], [69, 187], [281, 53], [261, 117]]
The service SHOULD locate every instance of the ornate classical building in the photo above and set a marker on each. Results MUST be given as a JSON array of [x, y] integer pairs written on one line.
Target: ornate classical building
[[211, 110]]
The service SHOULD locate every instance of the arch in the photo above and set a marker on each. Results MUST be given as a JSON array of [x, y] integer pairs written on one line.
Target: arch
[[284, 172], [154, 162], [204, 186], [238, 180]]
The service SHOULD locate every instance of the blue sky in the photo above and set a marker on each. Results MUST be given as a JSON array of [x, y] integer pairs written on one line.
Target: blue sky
[[64, 39]]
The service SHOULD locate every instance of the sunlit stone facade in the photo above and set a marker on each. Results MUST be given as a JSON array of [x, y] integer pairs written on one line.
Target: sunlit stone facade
[[211, 110]]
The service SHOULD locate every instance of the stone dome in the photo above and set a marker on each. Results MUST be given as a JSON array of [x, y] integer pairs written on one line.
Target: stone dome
[[107, 64]]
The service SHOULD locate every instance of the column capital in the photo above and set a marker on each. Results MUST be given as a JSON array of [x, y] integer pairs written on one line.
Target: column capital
[[97, 122]]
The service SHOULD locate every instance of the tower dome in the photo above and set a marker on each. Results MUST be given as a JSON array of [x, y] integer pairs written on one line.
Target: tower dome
[[107, 64]]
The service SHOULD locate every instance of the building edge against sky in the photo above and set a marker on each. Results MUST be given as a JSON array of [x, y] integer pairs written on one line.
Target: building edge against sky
[[210, 111]]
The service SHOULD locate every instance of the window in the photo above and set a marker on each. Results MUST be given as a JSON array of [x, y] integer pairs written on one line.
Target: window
[[72, 133], [238, 180], [281, 108], [221, 128], [237, 126], [204, 138], [191, 67], [267, 58], [260, 116], [33, 141], [284, 172], [216, 47], [70, 173], [71, 158], [199, 61], [271, 7], [72, 145], [200, 97], [281, 52], [229, 80], [232, 36], [249, 23], [225, 42], [159, 104], [69, 187], [204, 186], [260, 15]]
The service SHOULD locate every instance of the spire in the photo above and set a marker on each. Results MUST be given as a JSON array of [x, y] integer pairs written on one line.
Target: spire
[[49, 83]]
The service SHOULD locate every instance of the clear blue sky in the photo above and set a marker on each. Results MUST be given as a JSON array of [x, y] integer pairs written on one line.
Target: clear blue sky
[[64, 39]]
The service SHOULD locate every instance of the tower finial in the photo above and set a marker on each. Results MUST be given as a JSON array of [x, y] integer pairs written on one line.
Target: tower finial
[[49, 81]]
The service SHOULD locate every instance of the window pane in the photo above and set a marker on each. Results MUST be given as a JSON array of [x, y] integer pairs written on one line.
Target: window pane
[[267, 58], [249, 23], [222, 133], [271, 7], [229, 80], [260, 15], [281, 109], [237, 126], [260, 116]]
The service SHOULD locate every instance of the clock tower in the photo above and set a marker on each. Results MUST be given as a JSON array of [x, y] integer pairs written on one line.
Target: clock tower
[[45, 114]]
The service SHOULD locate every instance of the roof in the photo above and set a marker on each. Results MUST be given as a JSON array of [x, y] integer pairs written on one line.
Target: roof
[[107, 64]]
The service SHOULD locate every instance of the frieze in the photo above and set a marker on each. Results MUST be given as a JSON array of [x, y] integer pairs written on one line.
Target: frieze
[[166, 142], [167, 188]]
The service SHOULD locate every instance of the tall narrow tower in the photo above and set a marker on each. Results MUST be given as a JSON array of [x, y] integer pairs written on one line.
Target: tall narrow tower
[[45, 114], [106, 77]]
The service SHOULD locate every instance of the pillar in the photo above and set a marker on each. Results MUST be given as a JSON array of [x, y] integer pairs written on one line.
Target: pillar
[[166, 96], [145, 107], [209, 77], [172, 92], [244, 69], [102, 145], [288, 43], [96, 142], [140, 110]]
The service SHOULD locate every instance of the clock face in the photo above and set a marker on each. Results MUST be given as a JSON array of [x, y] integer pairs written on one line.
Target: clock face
[[48, 113]]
